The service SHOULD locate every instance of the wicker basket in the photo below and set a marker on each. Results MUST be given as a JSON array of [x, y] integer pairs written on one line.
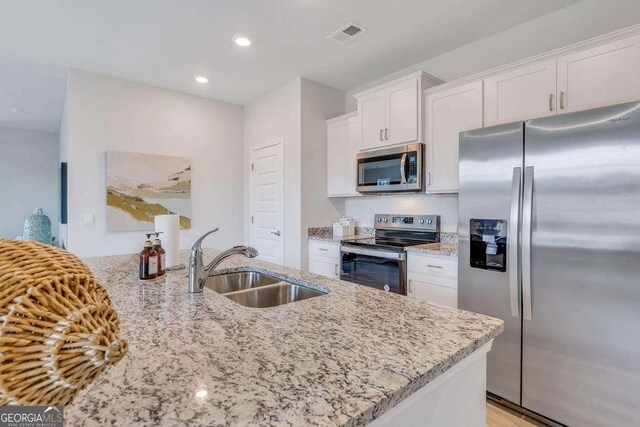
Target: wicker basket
[[58, 330]]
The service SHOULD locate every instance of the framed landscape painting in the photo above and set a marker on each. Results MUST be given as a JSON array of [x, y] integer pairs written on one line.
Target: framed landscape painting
[[140, 186]]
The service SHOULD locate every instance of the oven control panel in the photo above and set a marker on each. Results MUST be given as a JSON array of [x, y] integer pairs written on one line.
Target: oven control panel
[[407, 222]]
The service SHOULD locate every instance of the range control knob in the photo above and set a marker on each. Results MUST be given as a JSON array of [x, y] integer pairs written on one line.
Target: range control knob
[[379, 219], [429, 221], [386, 220], [421, 221]]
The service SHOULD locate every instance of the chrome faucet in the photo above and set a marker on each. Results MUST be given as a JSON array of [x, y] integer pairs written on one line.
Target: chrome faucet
[[198, 273]]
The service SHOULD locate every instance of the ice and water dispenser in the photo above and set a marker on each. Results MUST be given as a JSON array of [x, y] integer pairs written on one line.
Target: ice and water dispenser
[[488, 244]]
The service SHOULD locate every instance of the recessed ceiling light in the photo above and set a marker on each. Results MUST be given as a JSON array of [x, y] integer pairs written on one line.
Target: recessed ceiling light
[[202, 79], [242, 41]]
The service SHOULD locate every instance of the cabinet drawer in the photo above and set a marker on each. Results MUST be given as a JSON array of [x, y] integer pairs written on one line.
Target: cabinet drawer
[[433, 266], [426, 291], [326, 249]]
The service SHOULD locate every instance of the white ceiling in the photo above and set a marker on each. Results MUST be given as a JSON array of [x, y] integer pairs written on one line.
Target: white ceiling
[[167, 42]]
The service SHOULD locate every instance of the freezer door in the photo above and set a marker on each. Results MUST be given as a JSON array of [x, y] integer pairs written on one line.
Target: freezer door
[[490, 184], [581, 278]]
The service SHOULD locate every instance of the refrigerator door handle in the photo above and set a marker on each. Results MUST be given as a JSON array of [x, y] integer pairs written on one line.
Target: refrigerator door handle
[[512, 254], [527, 214]]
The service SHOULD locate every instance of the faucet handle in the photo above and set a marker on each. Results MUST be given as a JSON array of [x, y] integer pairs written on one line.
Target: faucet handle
[[197, 246]]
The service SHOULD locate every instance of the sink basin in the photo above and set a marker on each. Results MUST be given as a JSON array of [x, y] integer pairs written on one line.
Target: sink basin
[[273, 295], [233, 282]]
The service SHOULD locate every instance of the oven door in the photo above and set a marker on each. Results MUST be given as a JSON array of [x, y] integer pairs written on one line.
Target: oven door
[[374, 268], [391, 170]]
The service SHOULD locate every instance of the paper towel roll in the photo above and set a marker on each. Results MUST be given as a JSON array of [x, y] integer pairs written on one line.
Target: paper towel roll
[[169, 225]]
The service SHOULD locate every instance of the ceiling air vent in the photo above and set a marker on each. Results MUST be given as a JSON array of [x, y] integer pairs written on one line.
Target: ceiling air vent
[[348, 32]]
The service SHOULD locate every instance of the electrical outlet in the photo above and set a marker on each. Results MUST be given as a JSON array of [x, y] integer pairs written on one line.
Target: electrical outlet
[[88, 219]]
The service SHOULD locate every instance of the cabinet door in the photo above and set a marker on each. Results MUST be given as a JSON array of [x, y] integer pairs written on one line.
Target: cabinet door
[[328, 267], [603, 75], [449, 113], [372, 119], [521, 94], [425, 291], [402, 113], [341, 175]]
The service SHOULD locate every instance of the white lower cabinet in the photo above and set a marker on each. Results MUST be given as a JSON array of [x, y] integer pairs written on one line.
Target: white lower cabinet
[[432, 278], [324, 259]]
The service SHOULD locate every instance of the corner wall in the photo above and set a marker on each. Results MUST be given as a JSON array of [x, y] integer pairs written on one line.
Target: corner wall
[[105, 113], [319, 103], [277, 115]]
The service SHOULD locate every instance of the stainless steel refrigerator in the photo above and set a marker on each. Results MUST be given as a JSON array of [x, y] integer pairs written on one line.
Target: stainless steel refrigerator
[[549, 241]]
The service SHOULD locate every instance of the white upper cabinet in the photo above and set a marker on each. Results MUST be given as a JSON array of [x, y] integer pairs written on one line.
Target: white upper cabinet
[[521, 94], [449, 112], [402, 112], [603, 75], [391, 114], [372, 111], [343, 140]]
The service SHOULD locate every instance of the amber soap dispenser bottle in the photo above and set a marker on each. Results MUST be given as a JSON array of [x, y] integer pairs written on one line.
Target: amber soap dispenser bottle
[[160, 252], [148, 261]]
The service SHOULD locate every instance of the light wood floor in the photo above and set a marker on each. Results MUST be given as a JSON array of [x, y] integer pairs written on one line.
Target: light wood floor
[[499, 416]]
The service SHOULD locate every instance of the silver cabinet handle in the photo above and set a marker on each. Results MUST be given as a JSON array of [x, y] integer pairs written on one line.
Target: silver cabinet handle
[[512, 242], [410, 291], [386, 134], [323, 249], [527, 214], [429, 178], [561, 100], [381, 135], [434, 266], [277, 233], [336, 270], [550, 102]]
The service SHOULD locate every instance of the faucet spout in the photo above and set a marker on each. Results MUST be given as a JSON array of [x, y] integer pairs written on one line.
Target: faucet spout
[[198, 273]]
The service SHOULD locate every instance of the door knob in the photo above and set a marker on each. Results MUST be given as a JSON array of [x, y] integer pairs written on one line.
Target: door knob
[[277, 233]]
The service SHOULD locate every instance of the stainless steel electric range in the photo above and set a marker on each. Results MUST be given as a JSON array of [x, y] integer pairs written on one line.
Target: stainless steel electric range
[[380, 261]]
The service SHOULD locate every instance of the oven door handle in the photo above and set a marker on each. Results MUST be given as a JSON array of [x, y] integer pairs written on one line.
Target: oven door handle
[[403, 167], [400, 256]]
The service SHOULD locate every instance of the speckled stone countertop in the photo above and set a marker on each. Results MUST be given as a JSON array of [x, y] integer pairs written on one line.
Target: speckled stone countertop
[[201, 359], [448, 246], [325, 234]]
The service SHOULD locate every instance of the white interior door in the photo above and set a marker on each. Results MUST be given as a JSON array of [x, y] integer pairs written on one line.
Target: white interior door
[[267, 201]]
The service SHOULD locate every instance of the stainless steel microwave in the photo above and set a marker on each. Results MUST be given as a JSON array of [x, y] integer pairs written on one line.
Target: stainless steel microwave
[[391, 170]]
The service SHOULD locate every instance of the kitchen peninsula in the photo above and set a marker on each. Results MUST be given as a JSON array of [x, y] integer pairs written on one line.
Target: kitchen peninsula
[[351, 357]]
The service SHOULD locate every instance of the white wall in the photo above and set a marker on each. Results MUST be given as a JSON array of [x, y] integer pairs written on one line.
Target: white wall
[[364, 208], [277, 115], [29, 165], [105, 113], [566, 26], [319, 103]]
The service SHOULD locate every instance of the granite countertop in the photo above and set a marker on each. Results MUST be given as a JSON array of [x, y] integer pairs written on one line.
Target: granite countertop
[[442, 249], [201, 359]]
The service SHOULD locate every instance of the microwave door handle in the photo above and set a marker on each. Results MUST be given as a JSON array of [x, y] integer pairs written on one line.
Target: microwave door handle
[[403, 167]]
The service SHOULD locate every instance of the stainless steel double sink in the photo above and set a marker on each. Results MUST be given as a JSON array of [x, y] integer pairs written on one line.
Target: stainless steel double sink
[[257, 290]]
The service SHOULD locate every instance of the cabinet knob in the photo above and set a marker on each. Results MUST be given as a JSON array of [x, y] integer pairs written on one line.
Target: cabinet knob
[[381, 135]]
